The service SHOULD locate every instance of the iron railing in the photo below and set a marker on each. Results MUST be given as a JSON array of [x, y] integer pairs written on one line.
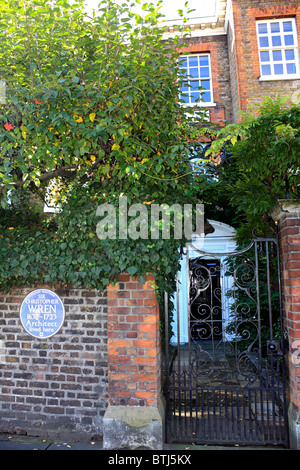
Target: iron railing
[[226, 385]]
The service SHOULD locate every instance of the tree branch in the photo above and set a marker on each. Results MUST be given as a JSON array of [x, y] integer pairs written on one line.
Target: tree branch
[[65, 171]]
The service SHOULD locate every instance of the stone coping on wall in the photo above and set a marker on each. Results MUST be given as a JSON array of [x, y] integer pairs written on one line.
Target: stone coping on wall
[[284, 206]]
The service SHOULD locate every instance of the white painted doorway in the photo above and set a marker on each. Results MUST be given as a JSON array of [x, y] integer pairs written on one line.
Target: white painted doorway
[[218, 243]]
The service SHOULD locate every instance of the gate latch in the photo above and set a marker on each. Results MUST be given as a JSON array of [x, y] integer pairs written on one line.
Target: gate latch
[[274, 346]]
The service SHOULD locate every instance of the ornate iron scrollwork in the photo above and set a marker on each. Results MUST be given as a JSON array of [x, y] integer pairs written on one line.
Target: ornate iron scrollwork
[[207, 322], [228, 383], [205, 299]]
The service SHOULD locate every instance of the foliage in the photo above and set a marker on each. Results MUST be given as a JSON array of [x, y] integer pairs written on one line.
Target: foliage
[[91, 108], [91, 100], [262, 168], [70, 251]]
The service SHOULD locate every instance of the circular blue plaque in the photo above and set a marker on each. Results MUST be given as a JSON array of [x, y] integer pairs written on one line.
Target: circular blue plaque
[[42, 313]]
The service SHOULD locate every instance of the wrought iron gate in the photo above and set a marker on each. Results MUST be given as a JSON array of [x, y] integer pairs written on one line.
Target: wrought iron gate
[[227, 384]]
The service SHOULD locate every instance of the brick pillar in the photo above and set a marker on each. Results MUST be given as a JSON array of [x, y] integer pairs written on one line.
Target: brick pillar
[[287, 215], [134, 417]]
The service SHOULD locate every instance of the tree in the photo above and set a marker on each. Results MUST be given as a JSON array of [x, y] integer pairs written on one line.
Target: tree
[[89, 99], [263, 165], [91, 106]]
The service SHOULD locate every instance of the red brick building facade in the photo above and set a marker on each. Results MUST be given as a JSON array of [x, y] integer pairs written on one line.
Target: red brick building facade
[[248, 84], [247, 51], [254, 52], [106, 362]]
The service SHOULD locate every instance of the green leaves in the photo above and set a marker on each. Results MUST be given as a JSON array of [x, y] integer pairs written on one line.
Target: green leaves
[[262, 168], [65, 249], [78, 87], [92, 112]]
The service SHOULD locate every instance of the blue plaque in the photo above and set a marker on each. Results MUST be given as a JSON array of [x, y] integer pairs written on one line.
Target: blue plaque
[[42, 313]]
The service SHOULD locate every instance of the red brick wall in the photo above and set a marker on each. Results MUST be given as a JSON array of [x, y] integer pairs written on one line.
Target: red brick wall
[[289, 239], [107, 352], [134, 353], [245, 49]]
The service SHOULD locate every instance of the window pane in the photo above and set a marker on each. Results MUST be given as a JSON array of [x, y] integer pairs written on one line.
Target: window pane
[[276, 41], [277, 55], [204, 72], [194, 97], [275, 28], [266, 70], [262, 28], [289, 55], [289, 40], [194, 85], [193, 61], [194, 72], [278, 68], [291, 68], [264, 41], [184, 88], [203, 60], [287, 26], [264, 56], [205, 84], [184, 98], [206, 96]]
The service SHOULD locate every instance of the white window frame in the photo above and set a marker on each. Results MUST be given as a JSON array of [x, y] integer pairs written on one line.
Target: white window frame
[[283, 48], [189, 80]]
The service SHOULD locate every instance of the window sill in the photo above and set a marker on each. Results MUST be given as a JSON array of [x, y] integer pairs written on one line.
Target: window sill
[[200, 105], [278, 78]]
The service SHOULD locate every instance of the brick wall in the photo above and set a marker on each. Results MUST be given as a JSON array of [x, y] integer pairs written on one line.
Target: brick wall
[[232, 64], [243, 51], [289, 238], [134, 353], [56, 386]]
